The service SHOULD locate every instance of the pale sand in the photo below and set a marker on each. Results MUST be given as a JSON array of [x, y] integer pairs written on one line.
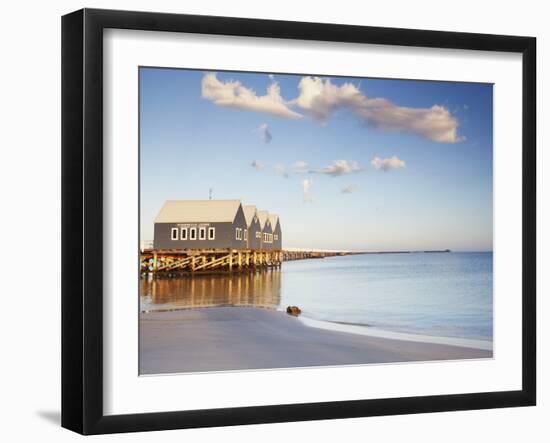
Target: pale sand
[[229, 338]]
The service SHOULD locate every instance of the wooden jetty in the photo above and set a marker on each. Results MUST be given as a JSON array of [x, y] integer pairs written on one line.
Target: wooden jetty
[[167, 261]]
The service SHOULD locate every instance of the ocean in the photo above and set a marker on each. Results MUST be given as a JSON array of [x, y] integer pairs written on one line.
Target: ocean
[[437, 294]]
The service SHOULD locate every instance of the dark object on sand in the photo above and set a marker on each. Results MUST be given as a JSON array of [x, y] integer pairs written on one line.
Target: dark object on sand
[[293, 310]]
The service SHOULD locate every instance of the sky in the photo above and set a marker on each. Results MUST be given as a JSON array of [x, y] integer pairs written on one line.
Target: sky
[[346, 163]]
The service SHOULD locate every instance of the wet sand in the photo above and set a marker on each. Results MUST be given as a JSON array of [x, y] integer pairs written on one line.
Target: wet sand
[[229, 338]]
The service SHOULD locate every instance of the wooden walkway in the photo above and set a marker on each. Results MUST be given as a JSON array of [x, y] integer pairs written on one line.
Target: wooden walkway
[[166, 261]]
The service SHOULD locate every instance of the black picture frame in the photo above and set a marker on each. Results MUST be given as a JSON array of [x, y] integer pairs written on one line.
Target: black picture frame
[[82, 218]]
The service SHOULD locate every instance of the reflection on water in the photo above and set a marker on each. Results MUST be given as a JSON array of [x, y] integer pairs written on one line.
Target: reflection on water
[[261, 289]]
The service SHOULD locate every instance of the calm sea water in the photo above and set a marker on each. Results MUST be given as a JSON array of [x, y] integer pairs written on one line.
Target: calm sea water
[[440, 294]]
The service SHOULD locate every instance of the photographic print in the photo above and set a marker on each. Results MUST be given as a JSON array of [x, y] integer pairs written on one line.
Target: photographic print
[[298, 220]]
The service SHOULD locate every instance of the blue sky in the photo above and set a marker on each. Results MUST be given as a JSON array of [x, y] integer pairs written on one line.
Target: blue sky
[[347, 163]]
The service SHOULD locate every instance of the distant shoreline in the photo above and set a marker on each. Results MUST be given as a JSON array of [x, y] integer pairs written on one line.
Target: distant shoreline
[[431, 251], [343, 252]]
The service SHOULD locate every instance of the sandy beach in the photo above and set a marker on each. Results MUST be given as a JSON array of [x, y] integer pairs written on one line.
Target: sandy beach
[[229, 338]]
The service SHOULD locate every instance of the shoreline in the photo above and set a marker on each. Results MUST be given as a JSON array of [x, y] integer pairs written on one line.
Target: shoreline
[[402, 336], [243, 338], [357, 328]]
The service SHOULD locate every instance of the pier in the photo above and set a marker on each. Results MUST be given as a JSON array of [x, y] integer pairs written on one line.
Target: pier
[[167, 261], [174, 261]]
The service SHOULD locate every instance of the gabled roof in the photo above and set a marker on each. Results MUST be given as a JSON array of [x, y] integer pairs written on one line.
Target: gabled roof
[[249, 212], [196, 211], [263, 216], [273, 218]]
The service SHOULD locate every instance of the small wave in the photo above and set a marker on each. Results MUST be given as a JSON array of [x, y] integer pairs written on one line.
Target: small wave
[[361, 329]]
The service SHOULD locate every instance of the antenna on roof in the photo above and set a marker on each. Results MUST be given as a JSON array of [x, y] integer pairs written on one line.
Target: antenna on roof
[[210, 193]]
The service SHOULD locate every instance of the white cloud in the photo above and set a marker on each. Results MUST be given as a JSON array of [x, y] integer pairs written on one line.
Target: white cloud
[[340, 167], [320, 98], [306, 189], [271, 77], [350, 189], [300, 167], [280, 169], [265, 133], [387, 164], [435, 123], [233, 94], [258, 165]]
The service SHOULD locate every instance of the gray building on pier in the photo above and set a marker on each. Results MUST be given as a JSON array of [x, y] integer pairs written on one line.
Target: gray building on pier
[[200, 224], [215, 224], [267, 234], [277, 233], [254, 230]]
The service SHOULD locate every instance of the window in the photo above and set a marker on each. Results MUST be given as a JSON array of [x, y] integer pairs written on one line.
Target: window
[[238, 233], [202, 233], [183, 234], [174, 234], [211, 233], [192, 233], [258, 234], [245, 235], [276, 237]]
